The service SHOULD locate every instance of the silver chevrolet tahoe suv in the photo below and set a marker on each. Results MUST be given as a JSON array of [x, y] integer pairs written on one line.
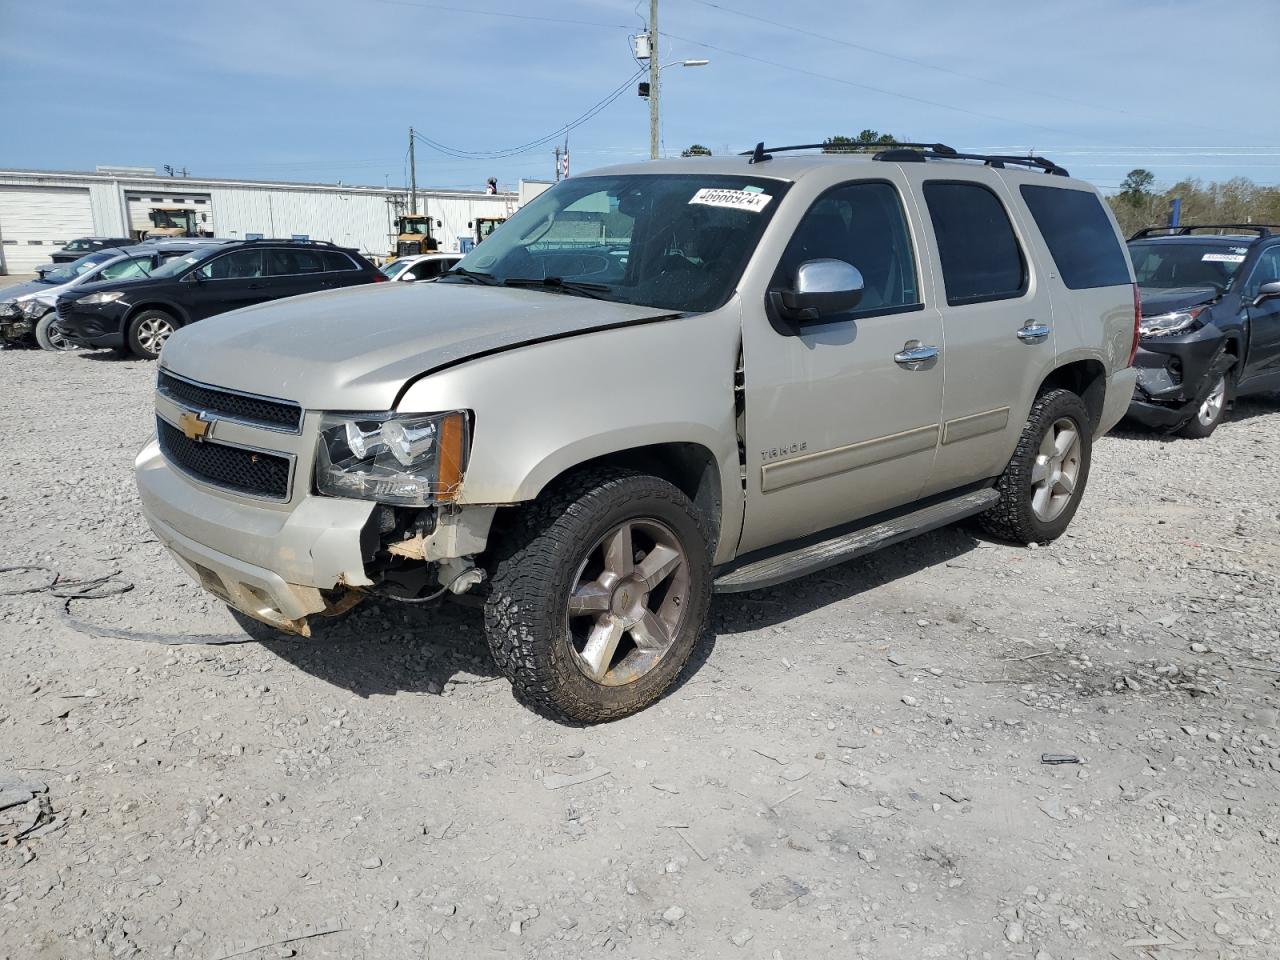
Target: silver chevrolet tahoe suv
[[655, 382]]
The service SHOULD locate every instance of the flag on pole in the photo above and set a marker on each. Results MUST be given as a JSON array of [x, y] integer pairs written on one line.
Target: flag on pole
[[564, 160]]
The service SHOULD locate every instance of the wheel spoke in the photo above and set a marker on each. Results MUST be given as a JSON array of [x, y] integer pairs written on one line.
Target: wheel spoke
[[1064, 483], [651, 633], [601, 645], [661, 562], [588, 597], [1039, 472], [619, 552], [1046, 445], [1065, 441], [1041, 500]]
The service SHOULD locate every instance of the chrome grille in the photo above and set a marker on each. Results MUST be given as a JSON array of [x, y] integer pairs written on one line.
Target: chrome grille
[[254, 472], [231, 404]]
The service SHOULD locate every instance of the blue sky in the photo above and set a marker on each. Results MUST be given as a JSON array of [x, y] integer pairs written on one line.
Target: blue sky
[[324, 90]]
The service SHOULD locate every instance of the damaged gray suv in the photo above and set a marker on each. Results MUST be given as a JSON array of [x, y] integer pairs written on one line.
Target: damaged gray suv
[[653, 383]]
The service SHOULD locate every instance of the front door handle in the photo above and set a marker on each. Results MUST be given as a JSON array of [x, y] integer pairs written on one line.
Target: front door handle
[[1033, 332], [914, 353]]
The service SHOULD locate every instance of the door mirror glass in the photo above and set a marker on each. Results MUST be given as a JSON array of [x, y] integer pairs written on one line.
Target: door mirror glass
[[1267, 291], [822, 288]]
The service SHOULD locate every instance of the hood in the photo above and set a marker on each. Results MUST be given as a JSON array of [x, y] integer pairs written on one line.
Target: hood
[[1158, 300], [85, 287], [21, 291], [354, 349]]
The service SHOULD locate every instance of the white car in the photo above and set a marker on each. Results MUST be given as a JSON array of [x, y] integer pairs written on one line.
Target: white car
[[425, 266]]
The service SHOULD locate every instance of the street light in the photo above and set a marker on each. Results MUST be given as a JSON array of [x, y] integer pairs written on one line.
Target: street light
[[654, 73]]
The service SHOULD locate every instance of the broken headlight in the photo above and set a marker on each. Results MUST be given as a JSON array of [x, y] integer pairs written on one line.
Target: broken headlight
[[1167, 324], [407, 459]]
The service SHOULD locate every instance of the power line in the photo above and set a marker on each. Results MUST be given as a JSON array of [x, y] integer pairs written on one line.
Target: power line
[[865, 86], [498, 13], [1019, 88], [507, 152]]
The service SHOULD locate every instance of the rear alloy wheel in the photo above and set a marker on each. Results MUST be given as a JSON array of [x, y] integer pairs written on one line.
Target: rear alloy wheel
[[148, 332], [1042, 486], [1210, 412], [599, 592], [50, 336]]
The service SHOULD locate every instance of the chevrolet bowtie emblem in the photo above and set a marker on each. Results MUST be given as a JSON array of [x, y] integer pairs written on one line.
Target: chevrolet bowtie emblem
[[194, 426]]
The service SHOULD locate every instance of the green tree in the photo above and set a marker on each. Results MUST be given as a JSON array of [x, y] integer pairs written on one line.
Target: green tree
[[1238, 200], [697, 150], [863, 141], [1136, 186]]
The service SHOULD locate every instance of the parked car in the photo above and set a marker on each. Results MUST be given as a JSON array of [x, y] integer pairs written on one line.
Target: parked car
[[1211, 322], [139, 316], [78, 248], [27, 311], [596, 445], [425, 266]]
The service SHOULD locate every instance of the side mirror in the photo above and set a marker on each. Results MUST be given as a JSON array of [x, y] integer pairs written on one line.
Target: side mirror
[[193, 277], [409, 276], [823, 288], [1267, 291]]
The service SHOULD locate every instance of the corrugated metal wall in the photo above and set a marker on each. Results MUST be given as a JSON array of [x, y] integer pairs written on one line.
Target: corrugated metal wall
[[347, 219]]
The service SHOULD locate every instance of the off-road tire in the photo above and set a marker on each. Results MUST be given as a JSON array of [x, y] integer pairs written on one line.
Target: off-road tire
[[136, 347], [1193, 429], [533, 565], [48, 338], [1012, 518]]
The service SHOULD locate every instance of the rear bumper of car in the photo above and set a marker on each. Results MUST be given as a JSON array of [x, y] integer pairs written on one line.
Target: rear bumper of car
[[272, 564]]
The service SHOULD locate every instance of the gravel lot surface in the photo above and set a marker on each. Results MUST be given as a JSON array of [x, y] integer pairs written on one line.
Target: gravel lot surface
[[851, 767]]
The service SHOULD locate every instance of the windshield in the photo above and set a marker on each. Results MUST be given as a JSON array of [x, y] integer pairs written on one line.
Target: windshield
[[418, 228], [1185, 264], [394, 268], [674, 241], [179, 265], [170, 218], [75, 245], [67, 272]]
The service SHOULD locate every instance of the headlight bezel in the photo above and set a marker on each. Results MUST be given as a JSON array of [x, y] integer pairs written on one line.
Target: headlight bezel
[[1172, 323], [99, 297], [426, 470]]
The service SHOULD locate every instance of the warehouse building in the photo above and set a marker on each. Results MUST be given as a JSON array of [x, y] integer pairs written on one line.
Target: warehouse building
[[40, 211]]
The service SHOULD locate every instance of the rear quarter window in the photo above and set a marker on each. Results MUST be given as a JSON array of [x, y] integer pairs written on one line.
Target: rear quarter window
[[1079, 235]]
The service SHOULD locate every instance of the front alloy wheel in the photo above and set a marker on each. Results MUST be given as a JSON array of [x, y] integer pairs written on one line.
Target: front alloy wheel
[[624, 615], [599, 591]]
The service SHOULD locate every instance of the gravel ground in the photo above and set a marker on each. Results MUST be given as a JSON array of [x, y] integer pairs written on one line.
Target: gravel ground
[[852, 766]]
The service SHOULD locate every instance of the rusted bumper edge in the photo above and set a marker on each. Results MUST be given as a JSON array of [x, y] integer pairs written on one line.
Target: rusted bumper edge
[[277, 565]]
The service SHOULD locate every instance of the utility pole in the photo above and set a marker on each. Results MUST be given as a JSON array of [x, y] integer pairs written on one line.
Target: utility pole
[[654, 70], [413, 177]]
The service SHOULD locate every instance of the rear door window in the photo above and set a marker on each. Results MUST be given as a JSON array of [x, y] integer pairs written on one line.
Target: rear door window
[[979, 252], [334, 261], [1079, 235], [284, 263]]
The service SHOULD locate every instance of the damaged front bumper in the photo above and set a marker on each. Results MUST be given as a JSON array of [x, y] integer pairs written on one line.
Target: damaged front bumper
[[13, 329], [1174, 376], [278, 566]]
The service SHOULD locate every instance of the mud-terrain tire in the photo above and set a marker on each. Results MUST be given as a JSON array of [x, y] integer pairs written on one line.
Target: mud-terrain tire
[[1212, 408], [49, 335], [577, 542], [1025, 513], [148, 332]]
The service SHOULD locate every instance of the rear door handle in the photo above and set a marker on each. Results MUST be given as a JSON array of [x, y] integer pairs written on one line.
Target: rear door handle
[[914, 353], [1033, 332]]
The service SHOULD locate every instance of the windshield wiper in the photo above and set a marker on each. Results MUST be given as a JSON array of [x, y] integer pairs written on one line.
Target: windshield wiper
[[472, 276], [579, 288]]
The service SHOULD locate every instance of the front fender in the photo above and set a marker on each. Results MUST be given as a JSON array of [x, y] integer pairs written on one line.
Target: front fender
[[544, 408]]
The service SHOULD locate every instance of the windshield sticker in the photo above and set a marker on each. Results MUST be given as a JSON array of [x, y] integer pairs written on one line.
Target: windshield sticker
[[734, 199], [1223, 258]]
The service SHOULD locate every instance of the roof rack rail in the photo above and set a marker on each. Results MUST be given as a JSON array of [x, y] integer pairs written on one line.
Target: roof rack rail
[[305, 243], [917, 153], [1261, 229], [911, 153], [761, 153]]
